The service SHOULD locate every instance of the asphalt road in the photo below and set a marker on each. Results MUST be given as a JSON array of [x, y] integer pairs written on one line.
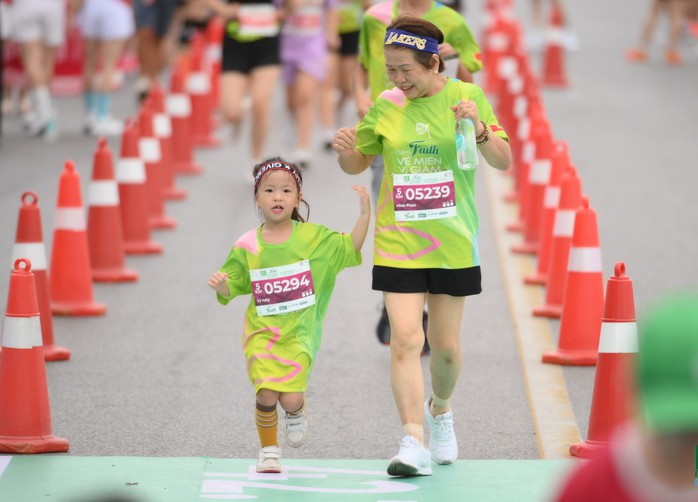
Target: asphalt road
[[162, 374]]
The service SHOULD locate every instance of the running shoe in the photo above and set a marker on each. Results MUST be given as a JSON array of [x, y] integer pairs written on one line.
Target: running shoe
[[269, 460], [296, 429], [442, 438], [413, 459], [107, 126], [673, 57], [636, 55]]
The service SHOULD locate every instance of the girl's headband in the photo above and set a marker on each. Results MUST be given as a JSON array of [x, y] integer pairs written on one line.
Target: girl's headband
[[278, 165], [407, 39]]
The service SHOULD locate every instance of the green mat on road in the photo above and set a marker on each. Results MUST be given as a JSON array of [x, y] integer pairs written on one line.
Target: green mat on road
[[61, 478]]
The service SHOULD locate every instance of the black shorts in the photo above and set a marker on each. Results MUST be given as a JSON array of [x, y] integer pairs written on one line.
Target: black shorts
[[437, 281], [350, 43], [243, 57]]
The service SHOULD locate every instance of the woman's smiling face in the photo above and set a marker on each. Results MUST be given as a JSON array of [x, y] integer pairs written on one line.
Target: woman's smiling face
[[406, 73]]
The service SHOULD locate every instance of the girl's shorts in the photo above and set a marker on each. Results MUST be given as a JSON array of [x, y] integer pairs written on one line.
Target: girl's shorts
[[350, 43], [243, 57], [437, 281], [107, 20]]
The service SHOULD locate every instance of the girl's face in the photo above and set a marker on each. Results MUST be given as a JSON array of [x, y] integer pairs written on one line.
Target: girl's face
[[277, 196], [405, 72]]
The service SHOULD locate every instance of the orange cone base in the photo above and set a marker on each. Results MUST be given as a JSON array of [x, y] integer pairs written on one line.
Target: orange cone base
[[174, 193], [525, 248], [571, 357], [43, 444], [162, 222], [188, 168], [587, 449], [536, 279], [55, 353], [559, 82], [114, 275], [207, 142], [146, 247], [78, 309], [515, 227], [550, 311]]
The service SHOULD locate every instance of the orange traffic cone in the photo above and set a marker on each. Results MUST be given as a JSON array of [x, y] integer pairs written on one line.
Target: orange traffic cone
[[563, 228], [152, 156], [162, 126], [133, 195], [538, 178], [178, 105], [29, 243], [551, 200], [25, 412], [215, 33], [582, 306], [71, 278], [528, 107], [105, 234], [536, 129], [612, 401], [199, 89], [553, 59]]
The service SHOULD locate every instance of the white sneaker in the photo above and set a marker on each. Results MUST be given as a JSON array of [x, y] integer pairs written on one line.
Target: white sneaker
[[413, 459], [107, 126], [296, 429], [442, 438], [50, 133], [269, 459], [88, 123]]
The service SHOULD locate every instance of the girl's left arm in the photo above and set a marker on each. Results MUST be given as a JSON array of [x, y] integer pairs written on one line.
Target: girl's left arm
[[358, 234]]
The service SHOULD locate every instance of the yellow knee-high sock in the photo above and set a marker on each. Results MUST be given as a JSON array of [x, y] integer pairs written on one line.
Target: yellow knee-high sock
[[267, 420]]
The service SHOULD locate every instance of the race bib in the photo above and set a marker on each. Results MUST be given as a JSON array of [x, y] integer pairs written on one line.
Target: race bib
[[257, 20], [424, 196], [279, 290], [305, 22]]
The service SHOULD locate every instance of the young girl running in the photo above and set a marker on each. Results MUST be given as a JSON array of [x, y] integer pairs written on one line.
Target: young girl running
[[289, 266]]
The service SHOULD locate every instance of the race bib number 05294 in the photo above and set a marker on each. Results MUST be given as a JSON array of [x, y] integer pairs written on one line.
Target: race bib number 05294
[[279, 290]]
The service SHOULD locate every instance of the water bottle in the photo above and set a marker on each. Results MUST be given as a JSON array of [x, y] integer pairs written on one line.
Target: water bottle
[[466, 148]]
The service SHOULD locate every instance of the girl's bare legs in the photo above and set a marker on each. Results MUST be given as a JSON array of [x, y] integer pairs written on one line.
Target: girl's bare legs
[[263, 81], [234, 86], [328, 99], [406, 342], [38, 60], [347, 68], [302, 106]]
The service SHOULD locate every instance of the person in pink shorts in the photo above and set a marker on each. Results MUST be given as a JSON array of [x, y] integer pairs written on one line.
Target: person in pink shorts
[[308, 31]]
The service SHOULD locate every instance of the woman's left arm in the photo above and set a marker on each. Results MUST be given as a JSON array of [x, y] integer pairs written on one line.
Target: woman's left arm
[[497, 151]]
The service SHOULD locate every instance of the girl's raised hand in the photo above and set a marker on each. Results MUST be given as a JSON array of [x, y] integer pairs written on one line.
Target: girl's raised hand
[[218, 283], [364, 200]]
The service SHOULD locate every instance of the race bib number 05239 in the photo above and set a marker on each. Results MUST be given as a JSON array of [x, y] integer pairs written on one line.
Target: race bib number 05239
[[424, 196], [279, 290]]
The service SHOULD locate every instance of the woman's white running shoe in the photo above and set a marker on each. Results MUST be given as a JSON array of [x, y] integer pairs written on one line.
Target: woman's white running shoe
[[413, 459]]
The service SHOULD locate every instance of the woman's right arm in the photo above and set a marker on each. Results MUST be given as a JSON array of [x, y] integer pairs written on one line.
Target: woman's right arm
[[350, 159]]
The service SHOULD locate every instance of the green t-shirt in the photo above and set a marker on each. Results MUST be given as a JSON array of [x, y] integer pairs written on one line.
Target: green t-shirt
[[425, 213], [290, 284], [373, 27], [350, 13]]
